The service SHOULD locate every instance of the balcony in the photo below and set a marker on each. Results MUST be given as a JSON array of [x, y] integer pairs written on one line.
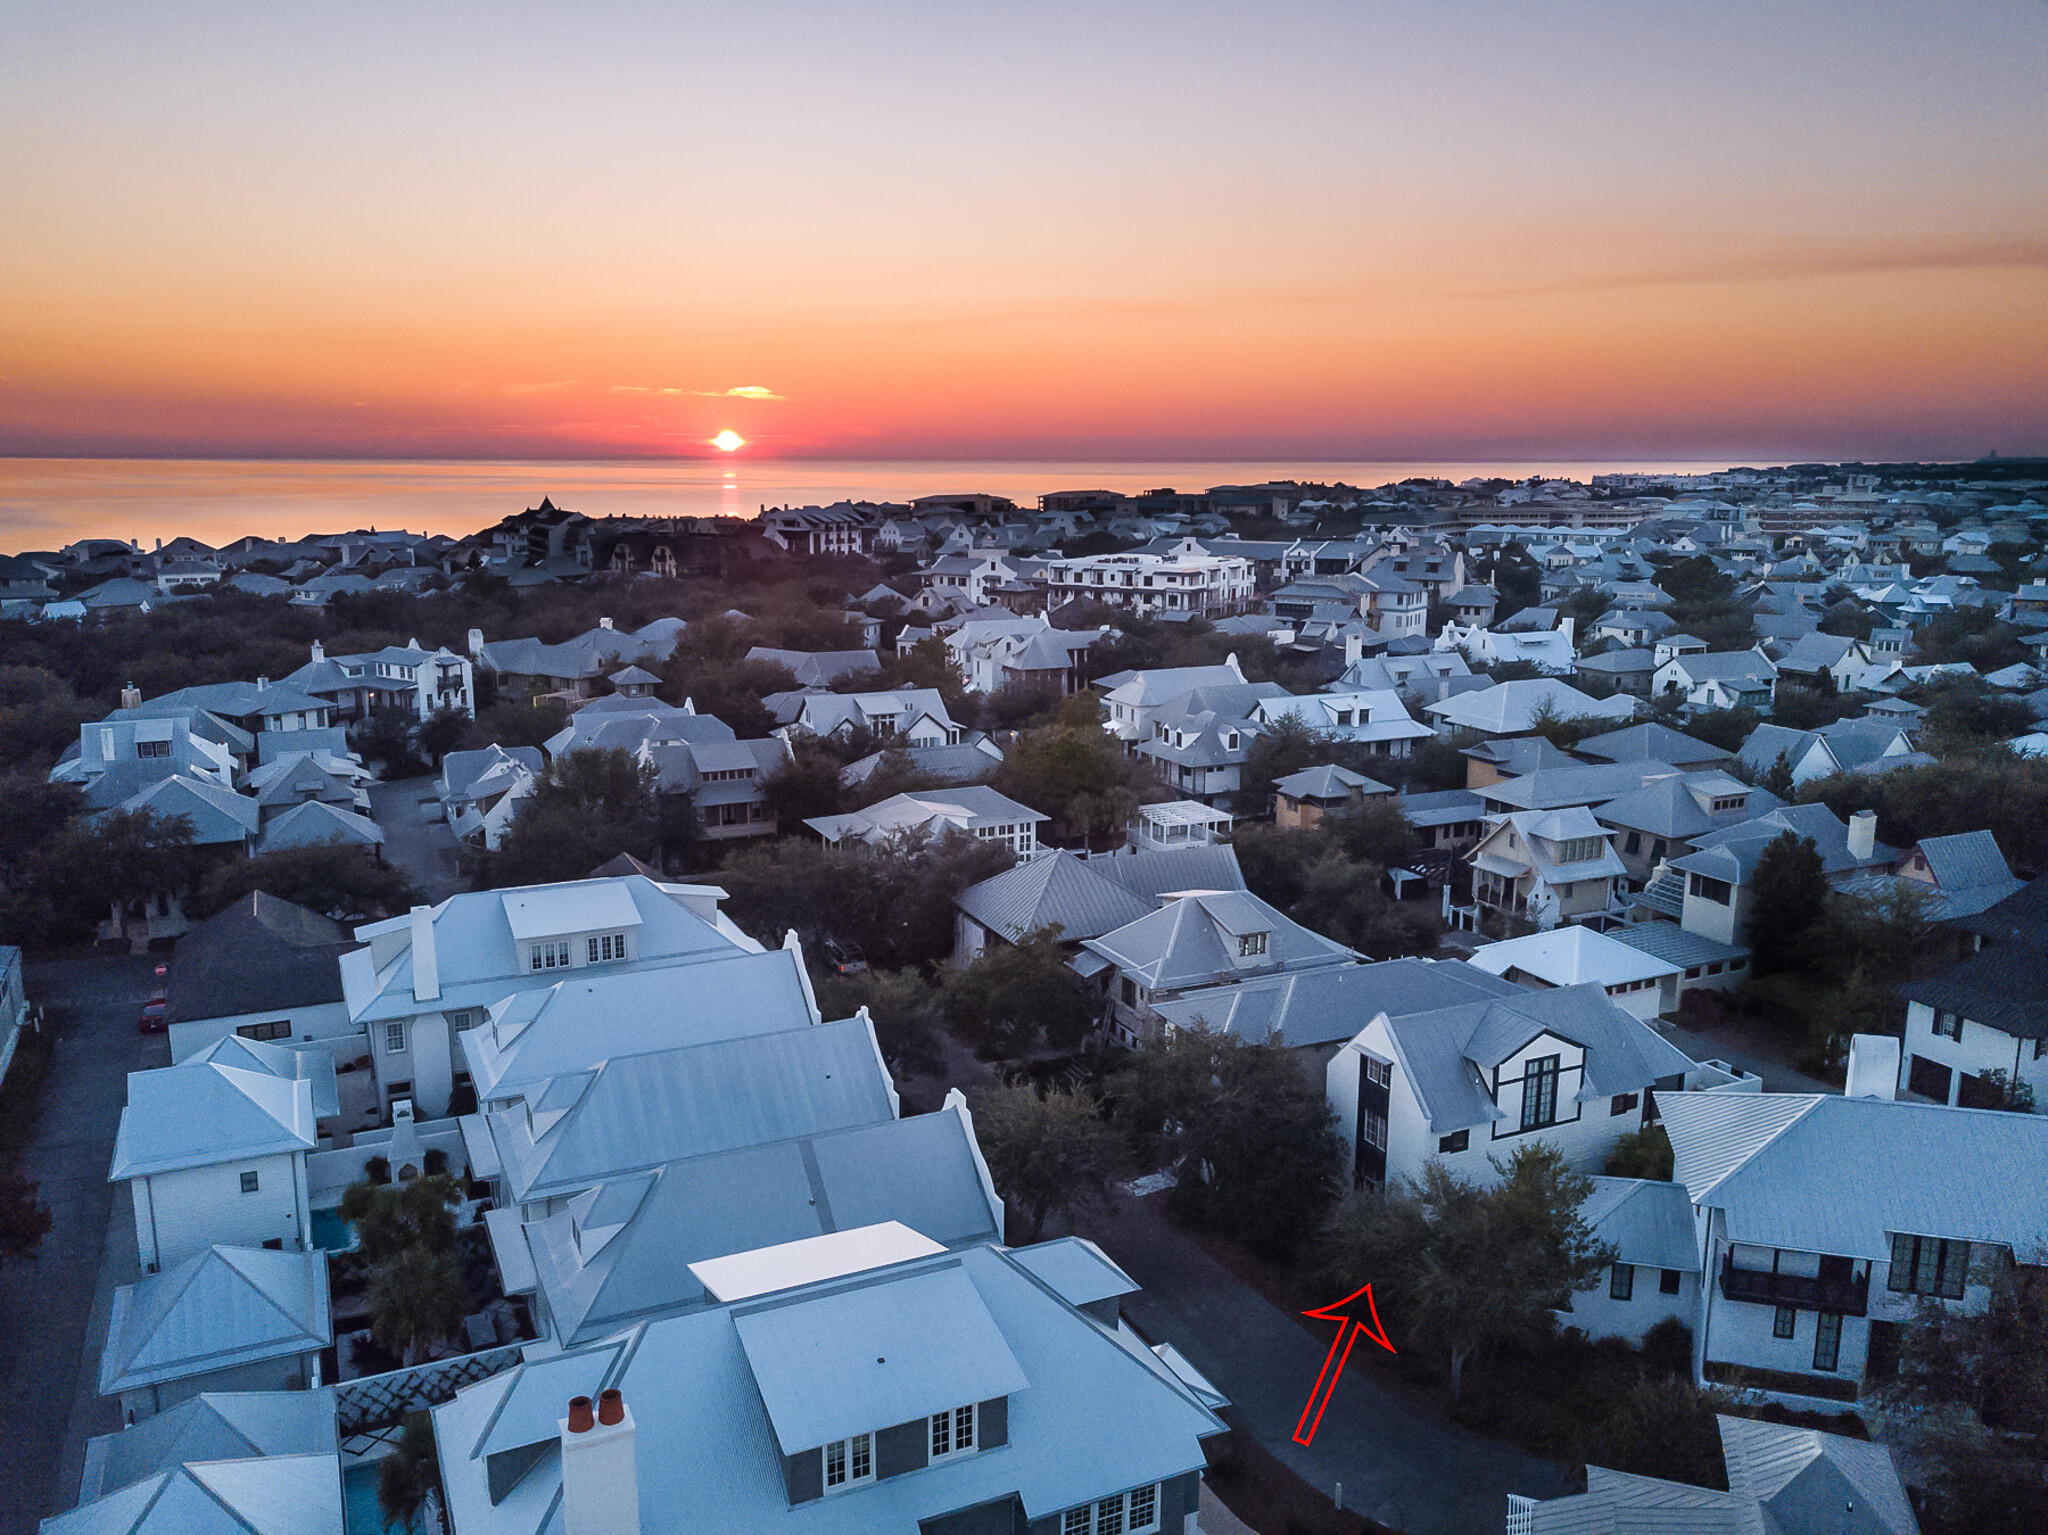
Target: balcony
[[1849, 1297]]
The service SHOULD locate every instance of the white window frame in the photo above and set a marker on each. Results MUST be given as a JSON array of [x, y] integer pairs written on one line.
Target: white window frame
[[394, 1038], [953, 1432], [852, 1453], [548, 954], [1115, 1515], [1251, 945]]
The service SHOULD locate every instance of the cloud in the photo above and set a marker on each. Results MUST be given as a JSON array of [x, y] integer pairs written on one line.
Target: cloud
[[548, 388], [742, 392]]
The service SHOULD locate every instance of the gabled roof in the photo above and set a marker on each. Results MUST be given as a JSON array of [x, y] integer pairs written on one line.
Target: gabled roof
[[1967, 861], [1649, 1223], [1333, 1002], [1838, 1175], [215, 1425], [205, 1112], [2003, 986], [260, 1495], [222, 1307], [1055, 888], [1677, 808], [1183, 944], [1649, 742], [217, 815], [258, 954]]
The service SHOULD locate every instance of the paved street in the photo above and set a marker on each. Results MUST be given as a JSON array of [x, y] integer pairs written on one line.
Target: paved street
[[1748, 1050], [1419, 1476], [49, 1354], [424, 849]]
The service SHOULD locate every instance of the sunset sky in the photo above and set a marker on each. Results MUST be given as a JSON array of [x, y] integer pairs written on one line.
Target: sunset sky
[[1265, 230]]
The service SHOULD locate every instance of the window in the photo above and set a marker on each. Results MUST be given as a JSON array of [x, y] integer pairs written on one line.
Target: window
[[552, 955], [607, 946], [1251, 945], [1128, 1513], [1455, 1142], [1539, 1093], [849, 1461], [1667, 1283], [1130, 990], [1929, 1266], [1622, 1103], [1634, 844], [1948, 1025], [281, 1029], [1827, 1340], [394, 1038], [249, 1181], [952, 1432], [1719, 891], [152, 748], [1785, 1324], [1621, 1281]]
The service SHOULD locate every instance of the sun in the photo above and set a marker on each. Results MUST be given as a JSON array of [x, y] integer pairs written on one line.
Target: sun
[[728, 441]]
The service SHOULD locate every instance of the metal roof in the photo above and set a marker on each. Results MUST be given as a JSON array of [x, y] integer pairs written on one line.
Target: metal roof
[[1813, 1481], [269, 1495], [1055, 888], [203, 1112], [1331, 1003], [215, 1425], [222, 1307], [1649, 1223]]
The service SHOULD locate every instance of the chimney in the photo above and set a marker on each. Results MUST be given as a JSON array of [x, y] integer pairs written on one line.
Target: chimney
[[600, 1476], [476, 643], [426, 965], [604, 623], [1862, 833], [319, 651], [1873, 1066], [1354, 649], [131, 697], [262, 683]]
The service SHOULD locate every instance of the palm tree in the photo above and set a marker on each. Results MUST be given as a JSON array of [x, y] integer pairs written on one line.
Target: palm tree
[[415, 1301], [409, 1474]]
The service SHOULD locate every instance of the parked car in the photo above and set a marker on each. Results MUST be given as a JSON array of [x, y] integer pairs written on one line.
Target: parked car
[[152, 1019], [845, 958]]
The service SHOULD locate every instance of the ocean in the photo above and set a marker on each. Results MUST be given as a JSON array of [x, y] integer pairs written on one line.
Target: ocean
[[46, 503]]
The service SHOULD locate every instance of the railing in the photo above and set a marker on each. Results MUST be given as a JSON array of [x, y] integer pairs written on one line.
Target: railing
[[1521, 1515], [1850, 1297]]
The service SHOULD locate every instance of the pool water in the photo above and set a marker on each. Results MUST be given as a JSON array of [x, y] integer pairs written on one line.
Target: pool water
[[360, 1513], [332, 1234]]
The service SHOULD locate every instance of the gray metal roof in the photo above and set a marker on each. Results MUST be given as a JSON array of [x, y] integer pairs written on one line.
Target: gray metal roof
[[201, 1113], [215, 1425], [1649, 742], [222, 1307], [1191, 942], [1808, 1480], [1168, 871], [269, 1495], [1054, 889], [1080, 1271], [258, 954], [1649, 1223], [1333, 1002], [1667, 940]]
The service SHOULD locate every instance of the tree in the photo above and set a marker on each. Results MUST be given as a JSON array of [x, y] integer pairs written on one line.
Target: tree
[[415, 1301], [1019, 997], [387, 737], [443, 731], [340, 880], [1788, 893], [515, 723], [1725, 728], [24, 1219], [589, 806], [1246, 1131], [410, 1473], [1642, 1154], [906, 1010], [1467, 1268], [807, 786], [391, 1218], [1076, 774], [1049, 1154]]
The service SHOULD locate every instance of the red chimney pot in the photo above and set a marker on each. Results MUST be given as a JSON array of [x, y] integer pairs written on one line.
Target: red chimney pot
[[611, 1407], [579, 1415]]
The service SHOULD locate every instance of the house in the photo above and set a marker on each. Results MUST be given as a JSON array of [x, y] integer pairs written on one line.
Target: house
[[971, 760], [1082, 897], [322, 776], [632, 723], [1200, 740], [1448, 819], [1652, 742], [1494, 761], [1840, 747], [1726, 679], [1008, 652], [1617, 671], [262, 970], [915, 716], [1203, 941], [407, 679], [1546, 866], [1575, 955], [1547, 649], [1666, 817], [281, 1492], [1465, 1082], [1571, 783], [1303, 799], [224, 1319], [1132, 699], [1783, 1479], [1187, 583], [819, 668], [866, 1379], [1379, 720], [235, 1426], [843, 528], [481, 791], [418, 980], [1718, 873], [214, 1148], [973, 810], [574, 668], [1655, 1277], [1826, 1222], [1958, 875], [1516, 708], [1987, 1014]]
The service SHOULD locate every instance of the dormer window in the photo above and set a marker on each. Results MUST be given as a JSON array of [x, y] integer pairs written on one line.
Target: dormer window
[[550, 955], [849, 1462], [1251, 945], [606, 946], [953, 1432]]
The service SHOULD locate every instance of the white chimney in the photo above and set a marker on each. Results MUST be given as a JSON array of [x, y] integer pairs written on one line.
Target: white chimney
[[604, 623], [1873, 1066], [1862, 833], [600, 1474], [1354, 649], [319, 651], [131, 697], [426, 965], [476, 643], [262, 683]]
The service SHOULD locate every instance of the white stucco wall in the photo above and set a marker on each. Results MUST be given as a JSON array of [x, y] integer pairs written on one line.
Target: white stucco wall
[[178, 1214]]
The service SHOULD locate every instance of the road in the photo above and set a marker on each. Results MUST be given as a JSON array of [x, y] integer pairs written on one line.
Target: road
[[1404, 1470], [424, 849], [53, 1309]]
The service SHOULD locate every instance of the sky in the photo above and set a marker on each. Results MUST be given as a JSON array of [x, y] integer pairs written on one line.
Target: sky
[[1752, 231]]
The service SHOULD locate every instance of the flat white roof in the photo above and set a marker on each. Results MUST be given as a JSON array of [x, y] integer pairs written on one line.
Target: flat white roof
[[545, 911], [810, 1259], [1184, 812]]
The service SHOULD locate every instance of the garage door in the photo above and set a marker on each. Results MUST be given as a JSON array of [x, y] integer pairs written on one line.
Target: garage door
[[1930, 1079]]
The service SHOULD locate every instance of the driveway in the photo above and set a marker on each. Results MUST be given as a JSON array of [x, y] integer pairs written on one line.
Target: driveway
[[423, 848], [1749, 1049], [1403, 1470], [53, 1309]]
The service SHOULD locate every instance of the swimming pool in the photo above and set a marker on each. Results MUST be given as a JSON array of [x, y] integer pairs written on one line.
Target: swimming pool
[[332, 1234], [359, 1511]]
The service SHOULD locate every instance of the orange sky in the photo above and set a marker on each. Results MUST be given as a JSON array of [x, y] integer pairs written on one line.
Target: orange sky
[[1315, 230]]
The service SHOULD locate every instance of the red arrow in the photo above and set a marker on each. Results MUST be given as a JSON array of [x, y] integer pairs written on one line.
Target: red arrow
[[1340, 1351]]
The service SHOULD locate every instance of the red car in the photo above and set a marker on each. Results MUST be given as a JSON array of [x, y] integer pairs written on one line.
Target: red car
[[152, 1019]]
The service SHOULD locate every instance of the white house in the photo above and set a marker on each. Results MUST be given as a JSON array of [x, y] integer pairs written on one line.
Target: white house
[[1132, 699], [1719, 679], [973, 810], [1574, 955], [1655, 1277], [1825, 1222], [214, 1149], [1471, 1082], [1549, 649], [421, 978], [916, 716], [1546, 866], [1380, 719], [1987, 1014], [1186, 583]]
